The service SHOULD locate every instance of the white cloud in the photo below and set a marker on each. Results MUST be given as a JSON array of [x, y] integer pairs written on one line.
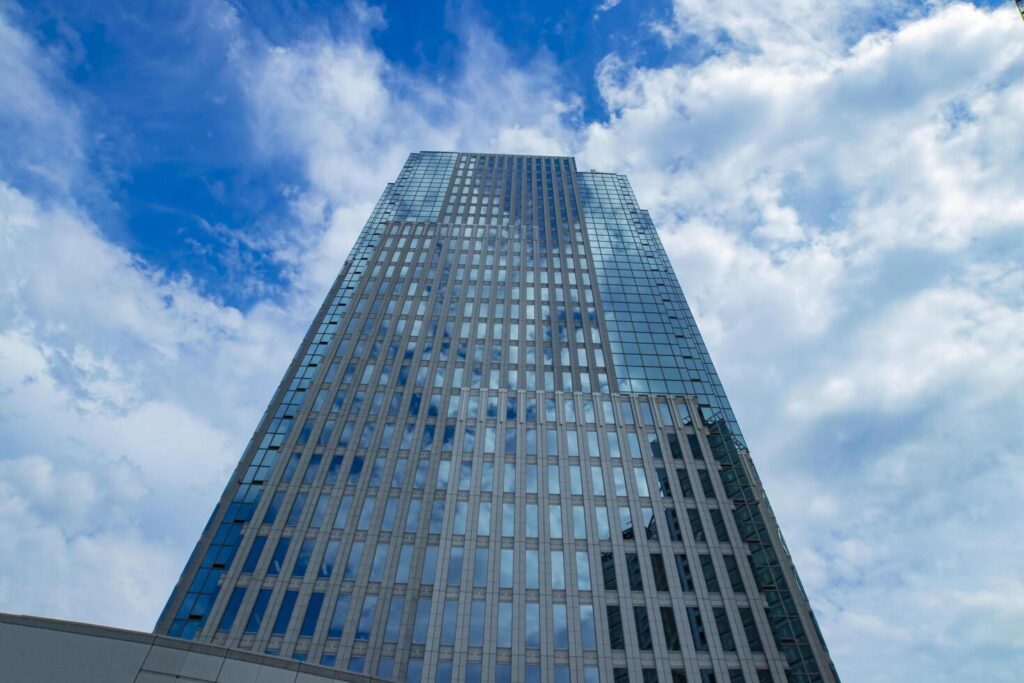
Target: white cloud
[[843, 213], [606, 5], [352, 118], [840, 206]]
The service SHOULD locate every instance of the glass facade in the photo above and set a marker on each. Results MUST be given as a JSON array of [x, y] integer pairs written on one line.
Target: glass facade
[[502, 452]]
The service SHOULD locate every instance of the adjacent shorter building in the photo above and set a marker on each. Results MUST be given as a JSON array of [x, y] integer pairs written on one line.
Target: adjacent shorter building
[[502, 453]]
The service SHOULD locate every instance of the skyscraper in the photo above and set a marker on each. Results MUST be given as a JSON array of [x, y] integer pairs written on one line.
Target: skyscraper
[[502, 453]]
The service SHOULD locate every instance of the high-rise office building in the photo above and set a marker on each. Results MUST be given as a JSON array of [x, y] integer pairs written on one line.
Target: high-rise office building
[[502, 453]]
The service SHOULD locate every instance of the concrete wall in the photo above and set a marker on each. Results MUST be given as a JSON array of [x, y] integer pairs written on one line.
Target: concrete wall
[[36, 650]]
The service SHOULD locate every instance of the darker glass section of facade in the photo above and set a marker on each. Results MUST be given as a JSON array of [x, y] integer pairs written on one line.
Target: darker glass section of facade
[[502, 452]]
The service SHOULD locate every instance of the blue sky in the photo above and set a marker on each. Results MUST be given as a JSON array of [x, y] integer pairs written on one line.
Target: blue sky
[[837, 184]]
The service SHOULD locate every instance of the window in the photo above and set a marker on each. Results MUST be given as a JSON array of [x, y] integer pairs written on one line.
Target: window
[[718, 524], [735, 578], [429, 572], [700, 639], [455, 567], [507, 568], [643, 628], [668, 625], [705, 482], [448, 619], [253, 558], [636, 582], [707, 568], [750, 629], [560, 627], [227, 620], [277, 561], [380, 559], [476, 624], [305, 554], [587, 631], [505, 618], [316, 601], [352, 565], [532, 613], [337, 624], [724, 632], [685, 576], [608, 571], [557, 569], [258, 610], [582, 570], [419, 632], [284, 613], [658, 569], [695, 447], [696, 525], [684, 483], [616, 638], [394, 622]]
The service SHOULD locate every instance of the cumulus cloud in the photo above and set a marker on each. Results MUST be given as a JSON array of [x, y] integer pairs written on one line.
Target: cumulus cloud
[[834, 182], [841, 208], [351, 118]]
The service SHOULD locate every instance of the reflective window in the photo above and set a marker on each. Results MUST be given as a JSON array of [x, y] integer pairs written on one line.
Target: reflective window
[[305, 555], [532, 613], [316, 601], [380, 559], [419, 632], [227, 620], [337, 625], [507, 568], [619, 478], [553, 483], [707, 568], [555, 521], [750, 629], [700, 638], [394, 623], [636, 581], [724, 631], [412, 517], [480, 568], [352, 565], [588, 635], [557, 569], [582, 570], [684, 483], [258, 610], [616, 638], [341, 518], [476, 624], [579, 524], [253, 558], [695, 524], [483, 522], [404, 564], [455, 567], [448, 619], [366, 514], [508, 519], [429, 572], [436, 516], [603, 527], [277, 561], [643, 628], [297, 506]]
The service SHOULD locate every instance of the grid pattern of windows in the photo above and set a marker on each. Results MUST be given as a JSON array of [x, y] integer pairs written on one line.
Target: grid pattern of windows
[[466, 478]]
